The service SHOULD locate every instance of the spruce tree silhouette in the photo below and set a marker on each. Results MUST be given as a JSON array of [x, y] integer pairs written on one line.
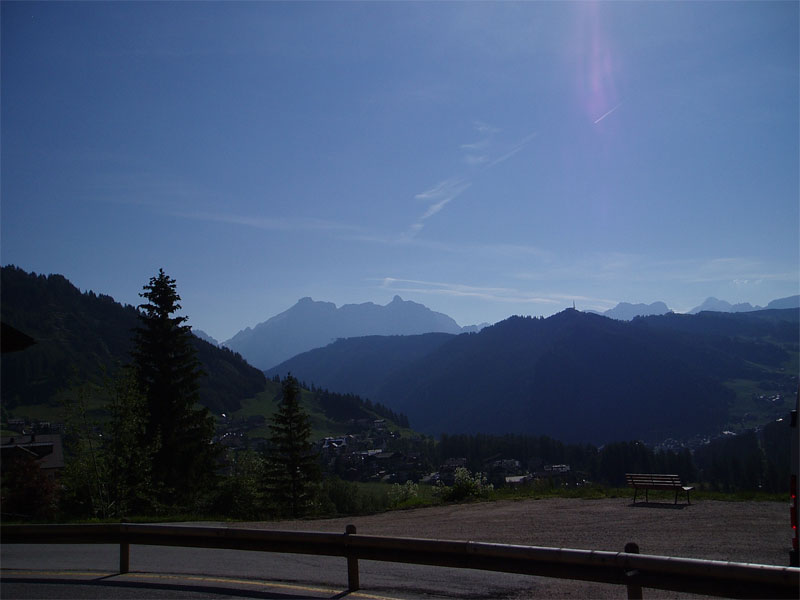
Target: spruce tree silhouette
[[168, 372], [292, 467]]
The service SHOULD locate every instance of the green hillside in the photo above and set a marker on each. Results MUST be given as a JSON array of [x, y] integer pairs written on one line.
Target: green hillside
[[331, 414]]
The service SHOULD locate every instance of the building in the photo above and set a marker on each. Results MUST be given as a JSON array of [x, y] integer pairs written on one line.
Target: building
[[45, 449]]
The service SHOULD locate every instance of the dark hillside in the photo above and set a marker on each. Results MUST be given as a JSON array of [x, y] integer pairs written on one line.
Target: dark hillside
[[79, 336], [574, 376], [360, 365], [754, 345], [778, 324]]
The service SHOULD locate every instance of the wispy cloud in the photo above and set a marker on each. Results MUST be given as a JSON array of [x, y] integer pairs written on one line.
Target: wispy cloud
[[435, 208], [479, 156], [514, 149], [446, 188], [485, 128], [620, 266], [729, 269], [475, 145], [470, 251], [475, 159], [268, 223], [131, 185], [494, 294], [439, 196], [165, 195]]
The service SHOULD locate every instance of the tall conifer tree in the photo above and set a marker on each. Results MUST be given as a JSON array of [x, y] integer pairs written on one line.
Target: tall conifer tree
[[168, 371], [292, 468]]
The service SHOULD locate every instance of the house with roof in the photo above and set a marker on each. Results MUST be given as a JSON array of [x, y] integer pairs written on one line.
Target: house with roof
[[46, 449]]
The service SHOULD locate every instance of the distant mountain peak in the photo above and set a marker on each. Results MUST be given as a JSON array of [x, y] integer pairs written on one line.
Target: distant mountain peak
[[788, 302], [625, 311], [716, 305], [312, 324]]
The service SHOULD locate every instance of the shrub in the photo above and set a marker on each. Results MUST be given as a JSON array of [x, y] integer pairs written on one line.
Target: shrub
[[466, 486], [400, 494]]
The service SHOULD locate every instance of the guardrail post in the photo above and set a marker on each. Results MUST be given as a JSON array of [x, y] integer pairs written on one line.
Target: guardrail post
[[352, 565], [124, 550], [634, 590], [124, 557]]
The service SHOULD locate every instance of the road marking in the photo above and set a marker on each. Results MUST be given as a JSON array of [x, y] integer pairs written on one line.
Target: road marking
[[264, 584]]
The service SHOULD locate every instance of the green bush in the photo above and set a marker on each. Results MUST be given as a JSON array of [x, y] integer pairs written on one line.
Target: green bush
[[403, 494], [466, 486]]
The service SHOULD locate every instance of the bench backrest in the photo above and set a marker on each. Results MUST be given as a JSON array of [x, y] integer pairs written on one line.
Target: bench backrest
[[653, 480]]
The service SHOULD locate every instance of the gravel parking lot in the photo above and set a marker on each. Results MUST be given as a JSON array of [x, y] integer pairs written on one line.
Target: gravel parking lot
[[755, 532]]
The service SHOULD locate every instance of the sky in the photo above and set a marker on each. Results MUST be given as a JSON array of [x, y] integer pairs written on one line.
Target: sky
[[483, 159]]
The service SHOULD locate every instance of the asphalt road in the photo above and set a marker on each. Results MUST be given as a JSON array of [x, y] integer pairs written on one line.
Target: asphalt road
[[88, 571]]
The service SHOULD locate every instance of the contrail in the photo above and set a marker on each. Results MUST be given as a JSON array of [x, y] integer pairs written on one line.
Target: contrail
[[608, 113]]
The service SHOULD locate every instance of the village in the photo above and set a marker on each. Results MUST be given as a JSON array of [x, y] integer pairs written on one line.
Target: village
[[372, 453]]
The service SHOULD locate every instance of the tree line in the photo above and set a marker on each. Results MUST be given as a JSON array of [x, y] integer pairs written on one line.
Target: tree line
[[750, 461]]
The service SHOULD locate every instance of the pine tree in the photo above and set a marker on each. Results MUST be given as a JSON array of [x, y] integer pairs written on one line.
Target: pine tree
[[168, 371], [292, 467]]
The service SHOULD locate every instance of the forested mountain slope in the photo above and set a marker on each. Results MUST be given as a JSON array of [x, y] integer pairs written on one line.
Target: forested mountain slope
[[573, 376], [361, 363], [80, 336]]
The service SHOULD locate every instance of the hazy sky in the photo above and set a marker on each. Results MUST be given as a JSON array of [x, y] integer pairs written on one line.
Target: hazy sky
[[484, 159]]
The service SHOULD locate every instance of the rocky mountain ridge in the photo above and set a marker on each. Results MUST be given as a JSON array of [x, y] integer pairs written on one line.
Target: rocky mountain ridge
[[312, 324]]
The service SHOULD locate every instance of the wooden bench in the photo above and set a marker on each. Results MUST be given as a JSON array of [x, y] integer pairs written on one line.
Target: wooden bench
[[655, 481]]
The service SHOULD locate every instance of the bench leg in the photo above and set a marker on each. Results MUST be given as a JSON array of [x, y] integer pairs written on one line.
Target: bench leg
[[635, 491], [646, 499], [687, 497], [676, 496]]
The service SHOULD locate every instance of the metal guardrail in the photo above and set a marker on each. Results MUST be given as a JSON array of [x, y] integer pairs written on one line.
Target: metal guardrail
[[636, 571]]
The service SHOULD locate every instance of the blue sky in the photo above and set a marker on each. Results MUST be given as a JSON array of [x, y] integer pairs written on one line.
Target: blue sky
[[484, 159]]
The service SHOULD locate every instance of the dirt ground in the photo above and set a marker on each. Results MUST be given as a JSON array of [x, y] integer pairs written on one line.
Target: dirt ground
[[754, 532]]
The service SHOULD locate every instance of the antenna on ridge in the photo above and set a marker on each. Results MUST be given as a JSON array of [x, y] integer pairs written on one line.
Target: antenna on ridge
[[573, 305]]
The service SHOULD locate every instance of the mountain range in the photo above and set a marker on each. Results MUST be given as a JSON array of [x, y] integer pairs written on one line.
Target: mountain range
[[311, 324], [716, 305], [625, 311], [574, 376]]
